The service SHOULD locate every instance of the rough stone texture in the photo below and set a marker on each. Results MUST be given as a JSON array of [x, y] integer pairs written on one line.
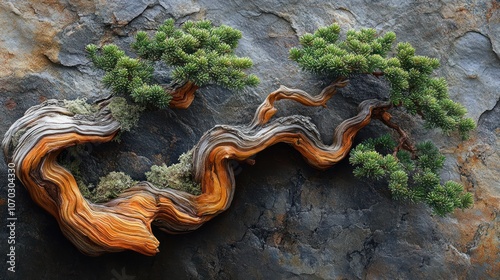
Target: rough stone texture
[[287, 219]]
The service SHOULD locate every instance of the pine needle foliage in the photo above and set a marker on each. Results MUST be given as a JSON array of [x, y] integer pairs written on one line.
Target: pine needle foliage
[[198, 52], [413, 177], [414, 180], [410, 75], [127, 76]]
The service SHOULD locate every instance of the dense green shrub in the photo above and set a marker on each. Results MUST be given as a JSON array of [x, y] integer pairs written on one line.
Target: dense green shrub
[[411, 174], [410, 75], [198, 52]]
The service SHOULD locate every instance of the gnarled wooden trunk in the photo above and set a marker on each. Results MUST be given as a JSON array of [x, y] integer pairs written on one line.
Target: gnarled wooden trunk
[[124, 223]]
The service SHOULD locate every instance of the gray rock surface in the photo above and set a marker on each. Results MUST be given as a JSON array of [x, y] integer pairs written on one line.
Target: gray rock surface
[[287, 221]]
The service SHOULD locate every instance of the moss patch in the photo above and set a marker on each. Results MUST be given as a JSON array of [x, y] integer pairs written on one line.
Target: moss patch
[[110, 186], [80, 106], [128, 115], [71, 159], [176, 176]]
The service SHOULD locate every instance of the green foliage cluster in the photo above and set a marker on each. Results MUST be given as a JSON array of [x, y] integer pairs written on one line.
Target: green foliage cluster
[[361, 52], [176, 176], [416, 180], [198, 52], [365, 52], [204, 54], [413, 87], [127, 76]]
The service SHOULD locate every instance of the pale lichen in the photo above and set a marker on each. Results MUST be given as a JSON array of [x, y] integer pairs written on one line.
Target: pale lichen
[[110, 186], [80, 106], [176, 176], [126, 114]]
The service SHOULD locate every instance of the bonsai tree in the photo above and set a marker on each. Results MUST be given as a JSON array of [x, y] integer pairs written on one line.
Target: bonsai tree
[[199, 53], [412, 171], [124, 222]]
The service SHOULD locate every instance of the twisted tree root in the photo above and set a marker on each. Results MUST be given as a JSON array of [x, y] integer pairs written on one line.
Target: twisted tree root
[[124, 223]]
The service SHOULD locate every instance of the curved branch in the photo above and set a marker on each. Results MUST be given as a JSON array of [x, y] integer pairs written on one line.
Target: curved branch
[[267, 110], [182, 96], [404, 139], [124, 223]]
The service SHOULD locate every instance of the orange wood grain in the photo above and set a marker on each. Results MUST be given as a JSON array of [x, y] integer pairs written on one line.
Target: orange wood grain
[[124, 223], [183, 96]]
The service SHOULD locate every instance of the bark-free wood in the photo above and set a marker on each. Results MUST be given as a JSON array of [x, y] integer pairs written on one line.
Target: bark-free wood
[[125, 223], [182, 96]]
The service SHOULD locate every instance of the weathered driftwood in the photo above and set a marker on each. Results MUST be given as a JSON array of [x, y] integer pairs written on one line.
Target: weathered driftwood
[[124, 223]]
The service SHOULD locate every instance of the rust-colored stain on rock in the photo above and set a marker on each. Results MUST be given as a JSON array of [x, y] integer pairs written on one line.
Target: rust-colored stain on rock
[[10, 104]]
